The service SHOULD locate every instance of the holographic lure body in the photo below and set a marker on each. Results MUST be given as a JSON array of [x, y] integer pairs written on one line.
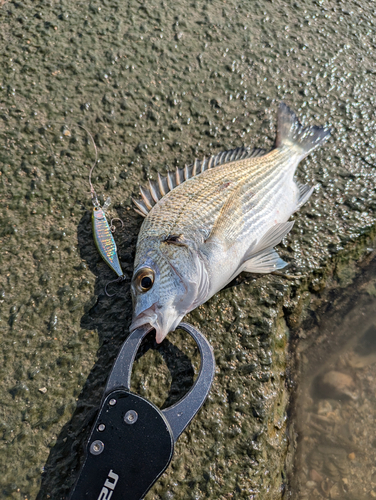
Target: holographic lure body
[[103, 237]]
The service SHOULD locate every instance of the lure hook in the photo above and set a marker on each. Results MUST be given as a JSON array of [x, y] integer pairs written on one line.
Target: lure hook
[[118, 280], [112, 225]]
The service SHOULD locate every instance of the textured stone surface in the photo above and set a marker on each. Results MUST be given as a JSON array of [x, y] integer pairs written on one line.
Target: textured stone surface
[[158, 84], [332, 413]]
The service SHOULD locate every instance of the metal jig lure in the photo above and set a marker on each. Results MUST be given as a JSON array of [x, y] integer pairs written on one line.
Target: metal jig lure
[[102, 230]]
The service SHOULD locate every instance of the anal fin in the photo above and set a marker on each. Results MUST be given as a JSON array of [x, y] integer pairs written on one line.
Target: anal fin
[[270, 239], [261, 256], [229, 219], [265, 261]]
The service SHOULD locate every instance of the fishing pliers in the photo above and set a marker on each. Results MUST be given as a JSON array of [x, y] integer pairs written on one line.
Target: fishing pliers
[[132, 441]]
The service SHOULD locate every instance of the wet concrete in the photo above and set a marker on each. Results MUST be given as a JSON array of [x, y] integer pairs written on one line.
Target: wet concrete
[[159, 84], [333, 411]]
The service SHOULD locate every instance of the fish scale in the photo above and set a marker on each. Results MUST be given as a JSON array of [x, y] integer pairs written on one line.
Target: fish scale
[[211, 220], [185, 201]]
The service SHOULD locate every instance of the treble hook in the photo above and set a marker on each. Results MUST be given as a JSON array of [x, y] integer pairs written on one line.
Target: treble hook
[[113, 227], [118, 280]]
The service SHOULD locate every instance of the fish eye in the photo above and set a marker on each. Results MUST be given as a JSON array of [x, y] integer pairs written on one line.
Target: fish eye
[[144, 279]]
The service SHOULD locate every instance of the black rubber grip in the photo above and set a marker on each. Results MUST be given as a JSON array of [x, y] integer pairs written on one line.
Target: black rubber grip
[[130, 446]]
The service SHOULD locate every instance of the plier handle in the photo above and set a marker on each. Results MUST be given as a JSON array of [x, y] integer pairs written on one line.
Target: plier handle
[[132, 441]]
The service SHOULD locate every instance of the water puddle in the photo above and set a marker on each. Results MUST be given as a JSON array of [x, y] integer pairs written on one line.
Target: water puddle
[[335, 405]]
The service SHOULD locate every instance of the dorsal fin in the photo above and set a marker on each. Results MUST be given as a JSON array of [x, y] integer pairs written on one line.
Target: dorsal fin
[[157, 189]]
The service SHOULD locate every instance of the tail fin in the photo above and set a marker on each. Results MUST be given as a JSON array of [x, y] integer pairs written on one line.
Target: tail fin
[[291, 133]]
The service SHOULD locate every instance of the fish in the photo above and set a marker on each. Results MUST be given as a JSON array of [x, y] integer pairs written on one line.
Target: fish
[[209, 221]]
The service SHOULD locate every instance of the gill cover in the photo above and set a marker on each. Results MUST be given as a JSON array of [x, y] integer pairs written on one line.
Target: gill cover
[[180, 284]]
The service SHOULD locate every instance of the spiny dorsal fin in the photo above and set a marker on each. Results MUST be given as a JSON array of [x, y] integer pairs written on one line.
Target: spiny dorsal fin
[[157, 189]]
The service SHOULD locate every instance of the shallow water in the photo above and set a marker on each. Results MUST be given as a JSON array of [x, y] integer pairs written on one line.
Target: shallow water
[[159, 83], [335, 404]]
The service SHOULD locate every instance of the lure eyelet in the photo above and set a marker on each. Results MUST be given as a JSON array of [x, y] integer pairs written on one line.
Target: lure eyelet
[[144, 280]]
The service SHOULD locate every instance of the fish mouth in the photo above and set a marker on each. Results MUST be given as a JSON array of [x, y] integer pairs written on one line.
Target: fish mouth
[[163, 321], [149, 316]]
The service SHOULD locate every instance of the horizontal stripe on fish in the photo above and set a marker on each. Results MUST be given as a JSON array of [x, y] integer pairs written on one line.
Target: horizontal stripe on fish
[[186, 206]]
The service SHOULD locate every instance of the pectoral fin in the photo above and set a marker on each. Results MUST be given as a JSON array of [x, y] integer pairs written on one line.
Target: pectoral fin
[[226, 227]]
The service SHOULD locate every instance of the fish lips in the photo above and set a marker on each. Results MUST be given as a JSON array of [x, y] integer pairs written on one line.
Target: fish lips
[[163, 321]]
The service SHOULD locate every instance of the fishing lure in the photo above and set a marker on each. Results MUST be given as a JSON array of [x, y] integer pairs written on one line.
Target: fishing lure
[[102, 230]]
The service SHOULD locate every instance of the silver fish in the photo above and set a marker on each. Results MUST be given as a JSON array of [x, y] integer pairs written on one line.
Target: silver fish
[[208, 222]]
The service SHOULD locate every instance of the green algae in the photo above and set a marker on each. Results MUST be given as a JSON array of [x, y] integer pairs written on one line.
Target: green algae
[[158, 84]]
